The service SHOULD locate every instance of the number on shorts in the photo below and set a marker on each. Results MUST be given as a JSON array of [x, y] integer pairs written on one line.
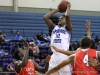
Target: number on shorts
[[85, 60]]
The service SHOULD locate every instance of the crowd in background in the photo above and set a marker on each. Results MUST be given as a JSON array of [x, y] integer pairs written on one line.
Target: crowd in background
[[38, 41]]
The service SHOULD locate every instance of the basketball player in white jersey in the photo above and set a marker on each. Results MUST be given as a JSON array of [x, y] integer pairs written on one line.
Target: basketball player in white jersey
[[60, 38]]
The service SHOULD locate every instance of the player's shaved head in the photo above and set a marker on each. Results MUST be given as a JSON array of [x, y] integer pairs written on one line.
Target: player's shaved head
[[85, 42]]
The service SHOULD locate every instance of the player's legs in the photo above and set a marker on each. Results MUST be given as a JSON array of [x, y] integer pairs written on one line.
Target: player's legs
[[52, 64], [55, 61]]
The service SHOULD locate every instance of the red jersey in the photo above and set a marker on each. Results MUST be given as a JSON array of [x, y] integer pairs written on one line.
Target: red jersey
[[27, 70], [81, 66]]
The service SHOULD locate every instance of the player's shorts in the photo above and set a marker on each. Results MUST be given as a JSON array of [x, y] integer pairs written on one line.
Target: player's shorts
[[57, 59]]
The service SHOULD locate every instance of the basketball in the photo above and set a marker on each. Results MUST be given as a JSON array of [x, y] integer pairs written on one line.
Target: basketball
[[62, 6]]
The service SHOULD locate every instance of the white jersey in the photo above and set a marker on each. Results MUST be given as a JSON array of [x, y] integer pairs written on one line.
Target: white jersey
[[60, 38]]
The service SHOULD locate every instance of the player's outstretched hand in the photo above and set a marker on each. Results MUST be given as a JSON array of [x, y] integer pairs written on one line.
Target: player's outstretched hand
[[67, 13], [48, 58], [55, 48], [92, 62], [26, 44], [88, 23]]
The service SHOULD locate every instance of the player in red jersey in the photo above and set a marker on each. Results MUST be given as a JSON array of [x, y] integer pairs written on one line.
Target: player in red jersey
[[80, 58], [24, 66]]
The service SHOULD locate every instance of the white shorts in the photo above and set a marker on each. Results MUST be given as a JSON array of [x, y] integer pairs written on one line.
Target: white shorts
[[57, 59]]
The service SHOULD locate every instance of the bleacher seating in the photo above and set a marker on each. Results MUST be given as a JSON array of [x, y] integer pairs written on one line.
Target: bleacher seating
[[35, 21], [5, 66], [27, 23], [30, 24]]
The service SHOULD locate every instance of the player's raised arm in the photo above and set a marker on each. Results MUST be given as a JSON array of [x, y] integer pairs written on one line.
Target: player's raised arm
[[42, 69], [47, 18], [61, 65], [88, 24], [67, 15], [24, 61]]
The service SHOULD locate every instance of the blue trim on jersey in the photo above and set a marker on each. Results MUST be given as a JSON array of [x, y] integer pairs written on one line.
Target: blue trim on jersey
[[65, 28]]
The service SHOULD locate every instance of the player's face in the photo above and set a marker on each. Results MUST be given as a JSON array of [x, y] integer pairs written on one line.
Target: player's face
[[14, 61], [62, 21], [18, 33]]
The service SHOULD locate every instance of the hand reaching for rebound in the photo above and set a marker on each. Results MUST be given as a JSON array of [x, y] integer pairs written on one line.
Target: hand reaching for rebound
[[88, 23]]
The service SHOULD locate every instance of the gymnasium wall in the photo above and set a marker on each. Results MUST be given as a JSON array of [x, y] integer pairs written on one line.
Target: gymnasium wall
[[6, 2], [82, 7], [87, 5]]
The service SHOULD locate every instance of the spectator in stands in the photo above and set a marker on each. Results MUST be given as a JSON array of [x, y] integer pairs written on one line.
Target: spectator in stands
[[35, 40], [40, 37], [77, 44], [11, 67], [2, 34], [13, 47], [33, 47], [41, 56], [18, 36], [98, 46], [27, 40], [2, 53], [2, 41], [72, 46], [96, 39], [39, 43], [32, 57], [47, 37]]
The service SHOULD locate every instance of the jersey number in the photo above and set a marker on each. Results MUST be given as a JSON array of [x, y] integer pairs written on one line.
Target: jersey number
[[57, 40], [85, 60]]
